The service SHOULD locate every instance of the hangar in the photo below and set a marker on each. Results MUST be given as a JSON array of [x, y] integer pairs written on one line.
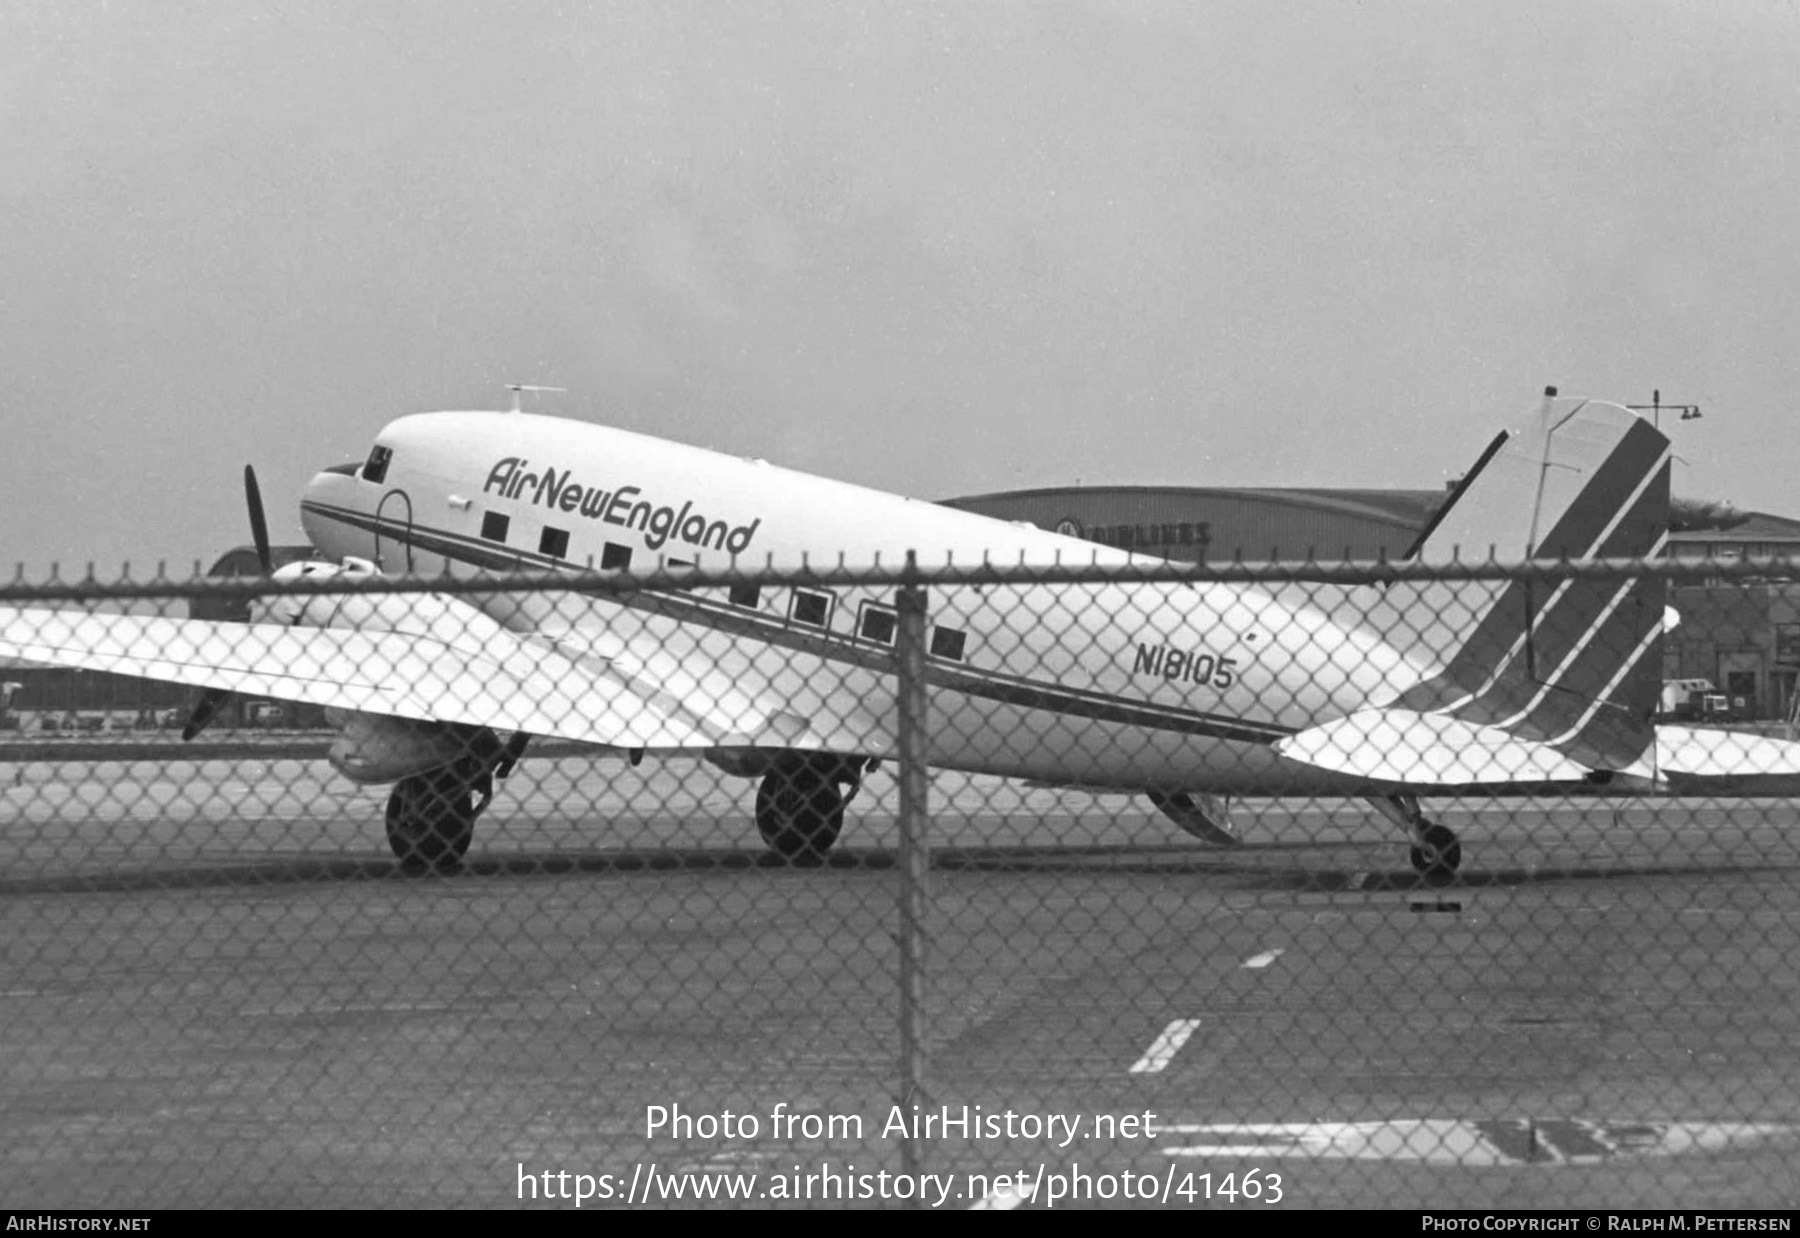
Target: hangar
[[1207, 523]]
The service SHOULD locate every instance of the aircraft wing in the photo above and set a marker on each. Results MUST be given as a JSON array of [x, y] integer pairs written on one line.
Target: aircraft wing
[[433, 660], [737, 688], [504, 681]]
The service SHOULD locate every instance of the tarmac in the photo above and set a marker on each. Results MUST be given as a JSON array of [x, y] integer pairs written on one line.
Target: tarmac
[[217, 988]]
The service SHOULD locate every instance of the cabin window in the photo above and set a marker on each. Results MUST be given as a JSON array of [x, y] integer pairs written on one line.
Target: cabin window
[[747, 596], [554, 542], [877, 623], [812, 608], [494, 526], [614, 556], [375, 469], [948, 643]]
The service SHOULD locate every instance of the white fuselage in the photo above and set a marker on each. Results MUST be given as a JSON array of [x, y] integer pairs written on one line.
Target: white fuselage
[[1173, 686]]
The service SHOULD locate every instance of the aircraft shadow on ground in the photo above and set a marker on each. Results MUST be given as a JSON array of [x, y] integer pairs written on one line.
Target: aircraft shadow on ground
[[1249, 868]]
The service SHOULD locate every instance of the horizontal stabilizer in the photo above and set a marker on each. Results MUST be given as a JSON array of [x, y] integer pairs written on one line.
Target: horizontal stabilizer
[[1436, 750], [1708, 761], [1419, 749]]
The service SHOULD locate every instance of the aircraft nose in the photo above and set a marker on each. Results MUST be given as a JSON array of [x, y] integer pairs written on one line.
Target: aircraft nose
[[336, 479], [329, 508]]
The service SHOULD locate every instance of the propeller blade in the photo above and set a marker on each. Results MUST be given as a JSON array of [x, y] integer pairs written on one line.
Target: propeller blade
[[259, 526], [211, 702], [214, 699]]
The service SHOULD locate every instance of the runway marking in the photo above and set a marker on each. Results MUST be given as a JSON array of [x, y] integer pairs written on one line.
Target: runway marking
[[1259, 961], [1003, 1198], [1449, 1141], [1165, 1047]]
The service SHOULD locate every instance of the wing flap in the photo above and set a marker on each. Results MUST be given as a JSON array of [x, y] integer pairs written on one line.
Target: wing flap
[[739, 688], [762, 701]]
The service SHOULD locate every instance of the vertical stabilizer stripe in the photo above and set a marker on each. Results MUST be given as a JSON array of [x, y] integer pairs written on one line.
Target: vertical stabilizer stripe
[[1565, 664]]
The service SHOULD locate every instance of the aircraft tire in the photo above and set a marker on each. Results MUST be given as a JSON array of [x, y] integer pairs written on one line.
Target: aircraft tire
[[799, 815], [431, 821], [1440, 857]]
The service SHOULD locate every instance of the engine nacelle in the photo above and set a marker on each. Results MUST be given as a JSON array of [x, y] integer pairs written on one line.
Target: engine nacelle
[[382, 748], [324, 611], [743, 762], [375, 748]]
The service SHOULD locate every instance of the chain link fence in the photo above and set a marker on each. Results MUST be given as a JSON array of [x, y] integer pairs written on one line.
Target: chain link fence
[[949, 887]]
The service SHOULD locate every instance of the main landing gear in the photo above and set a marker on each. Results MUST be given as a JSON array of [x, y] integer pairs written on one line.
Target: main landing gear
[[1436, 855], [800, 804], [431, 816]]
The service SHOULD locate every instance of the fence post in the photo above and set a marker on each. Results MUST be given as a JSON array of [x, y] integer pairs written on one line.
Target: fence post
[[915, 854]]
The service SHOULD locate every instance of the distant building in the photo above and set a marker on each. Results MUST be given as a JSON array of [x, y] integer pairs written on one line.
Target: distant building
[[1758, 534], [59, 698], [1198, 524], [1745, 639], [1208, 523]]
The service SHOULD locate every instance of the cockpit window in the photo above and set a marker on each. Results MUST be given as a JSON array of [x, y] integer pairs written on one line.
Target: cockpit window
[[346, 470], [376, 468]]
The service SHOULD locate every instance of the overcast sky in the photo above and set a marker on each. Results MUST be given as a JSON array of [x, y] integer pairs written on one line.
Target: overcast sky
[[934, 248]]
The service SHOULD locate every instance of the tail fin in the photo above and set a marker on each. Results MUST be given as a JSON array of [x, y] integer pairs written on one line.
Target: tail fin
[[1573, 664]]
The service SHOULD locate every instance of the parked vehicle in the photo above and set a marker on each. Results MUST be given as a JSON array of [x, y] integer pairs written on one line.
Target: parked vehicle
[[1687, 699]]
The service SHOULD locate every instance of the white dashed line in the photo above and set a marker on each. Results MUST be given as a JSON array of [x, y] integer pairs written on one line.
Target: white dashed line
[[1005, 1198], [1262, 960], [1167, 1045]]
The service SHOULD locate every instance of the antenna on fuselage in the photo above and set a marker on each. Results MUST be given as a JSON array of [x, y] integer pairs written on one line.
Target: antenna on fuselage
[[518, 390]]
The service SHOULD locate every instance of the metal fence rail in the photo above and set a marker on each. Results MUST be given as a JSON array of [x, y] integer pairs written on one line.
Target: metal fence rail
[[938, 885]]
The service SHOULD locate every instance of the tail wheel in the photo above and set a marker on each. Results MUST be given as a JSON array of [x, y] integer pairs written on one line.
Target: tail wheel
[[431, 819], [799, 814], [1438, 855]]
